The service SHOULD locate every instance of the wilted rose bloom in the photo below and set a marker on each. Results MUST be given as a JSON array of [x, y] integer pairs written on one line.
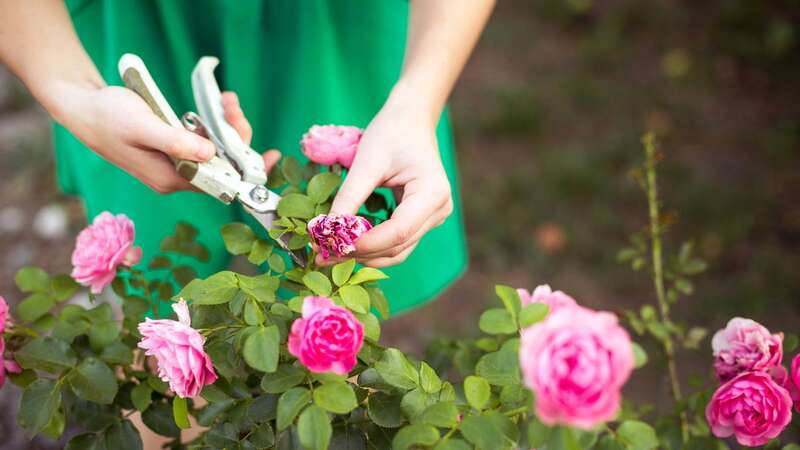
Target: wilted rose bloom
[[752, 407], [327, 337], [745, 345], [101, 248], [543, 294], [336, 234], [576, 363], [179, 353], [331, 144]]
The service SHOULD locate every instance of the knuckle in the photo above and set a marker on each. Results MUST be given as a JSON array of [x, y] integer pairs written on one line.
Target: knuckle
[[402, 234]]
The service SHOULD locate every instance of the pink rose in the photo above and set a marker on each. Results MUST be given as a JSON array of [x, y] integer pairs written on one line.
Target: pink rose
[[178, 349], [794, 382], [3, 314], [752, 407], [337, 234], [6, 365], [543, 294], [101, 248], [745, 345], [331, 144], [576, 363], [327, 338]]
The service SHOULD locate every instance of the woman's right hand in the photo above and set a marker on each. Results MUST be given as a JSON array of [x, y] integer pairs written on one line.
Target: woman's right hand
[[119, 126]]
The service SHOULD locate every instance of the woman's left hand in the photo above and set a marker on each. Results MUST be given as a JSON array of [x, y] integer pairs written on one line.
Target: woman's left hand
[[398, 150]]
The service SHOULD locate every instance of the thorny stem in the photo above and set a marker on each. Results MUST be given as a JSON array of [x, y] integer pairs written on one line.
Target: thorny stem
[[658, 270]]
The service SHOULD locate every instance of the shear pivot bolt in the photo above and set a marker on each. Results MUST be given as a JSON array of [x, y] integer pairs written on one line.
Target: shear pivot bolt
[[260, 194]]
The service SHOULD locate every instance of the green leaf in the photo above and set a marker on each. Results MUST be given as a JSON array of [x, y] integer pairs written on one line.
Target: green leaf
[[453, 444], [35, 306], [215, 290], [260, 287], [291, 170], [493, 430], [379, 302], [94, 381], [290, 404], [442, 414], [142, 396], [238, 238], [46, 353], [500, 368], [355, 298], [510, 298], [63, 287], [40, 402], [384, 409], [318, 283], [253, 315], [372, 327], [417, 434], [395, 369], [32, 279], [102, 334], [477, 391], [341, 272], [366, 275], [428, 380], [276, 263], [259, 252], [538, 433], [122, 435], [533, 313], [416, 401], [261, 350], [322, 186], [639, 355], [180, 412], [84, 441], [637, 435], [497, 321], [296, 205], [262, 436], [563, 438], [184, 274], [314, 428], [336, 397], [285, 377], [158, 418]]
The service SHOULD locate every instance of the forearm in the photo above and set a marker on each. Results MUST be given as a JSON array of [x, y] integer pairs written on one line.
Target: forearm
[[39, 44], [441, 35]]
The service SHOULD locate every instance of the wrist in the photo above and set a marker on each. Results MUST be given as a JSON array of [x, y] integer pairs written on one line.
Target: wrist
[[415, 100], [63, 99]]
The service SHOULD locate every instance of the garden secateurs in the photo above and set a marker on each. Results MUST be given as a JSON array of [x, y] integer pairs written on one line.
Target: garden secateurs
[[237, 171]]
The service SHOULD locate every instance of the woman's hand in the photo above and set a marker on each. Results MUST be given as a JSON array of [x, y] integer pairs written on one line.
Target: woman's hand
[[119, 126], [398, 150]]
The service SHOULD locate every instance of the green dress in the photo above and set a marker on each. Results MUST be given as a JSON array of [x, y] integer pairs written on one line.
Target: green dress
[[293, 63]]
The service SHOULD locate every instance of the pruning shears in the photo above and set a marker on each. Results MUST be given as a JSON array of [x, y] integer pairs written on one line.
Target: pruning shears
[[237, 171]]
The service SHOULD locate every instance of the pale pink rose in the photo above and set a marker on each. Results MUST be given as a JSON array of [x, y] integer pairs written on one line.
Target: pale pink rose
[[327, 337], [543, 294], [3, 314], [745, 345], [576, 363], [336, 234], [331, 144], [102, 247], [178, 349], [752, 407]]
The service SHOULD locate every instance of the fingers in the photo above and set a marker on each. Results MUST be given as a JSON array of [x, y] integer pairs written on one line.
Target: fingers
[[150, 132], [359, 183], [390, 260], [155, 170], [235, 116], [271, 157]]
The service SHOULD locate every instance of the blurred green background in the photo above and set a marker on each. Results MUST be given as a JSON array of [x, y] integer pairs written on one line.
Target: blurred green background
[[548, 115]]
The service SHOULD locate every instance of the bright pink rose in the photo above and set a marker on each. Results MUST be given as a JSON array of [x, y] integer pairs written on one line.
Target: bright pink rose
[[101, 248], [178, 349], [331, 144], [745, 345], [3, 314], [752, 407], [794, 382], [6, 365], [327, 338], [337, 234], [576, 362], [543, 294]]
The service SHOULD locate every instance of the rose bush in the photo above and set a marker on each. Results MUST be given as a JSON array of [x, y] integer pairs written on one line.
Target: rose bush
[[289, 357]]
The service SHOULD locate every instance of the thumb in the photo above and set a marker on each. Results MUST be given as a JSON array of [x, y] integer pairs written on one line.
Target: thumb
[[359, 183]]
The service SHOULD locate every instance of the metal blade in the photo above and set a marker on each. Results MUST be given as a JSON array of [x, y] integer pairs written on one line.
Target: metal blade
[[266, 219]]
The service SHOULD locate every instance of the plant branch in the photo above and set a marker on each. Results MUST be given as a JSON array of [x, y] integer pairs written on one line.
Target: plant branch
[[656, 231]]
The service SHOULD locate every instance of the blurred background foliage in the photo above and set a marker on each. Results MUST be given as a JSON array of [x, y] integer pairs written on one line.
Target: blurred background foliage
[[548, 115]]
